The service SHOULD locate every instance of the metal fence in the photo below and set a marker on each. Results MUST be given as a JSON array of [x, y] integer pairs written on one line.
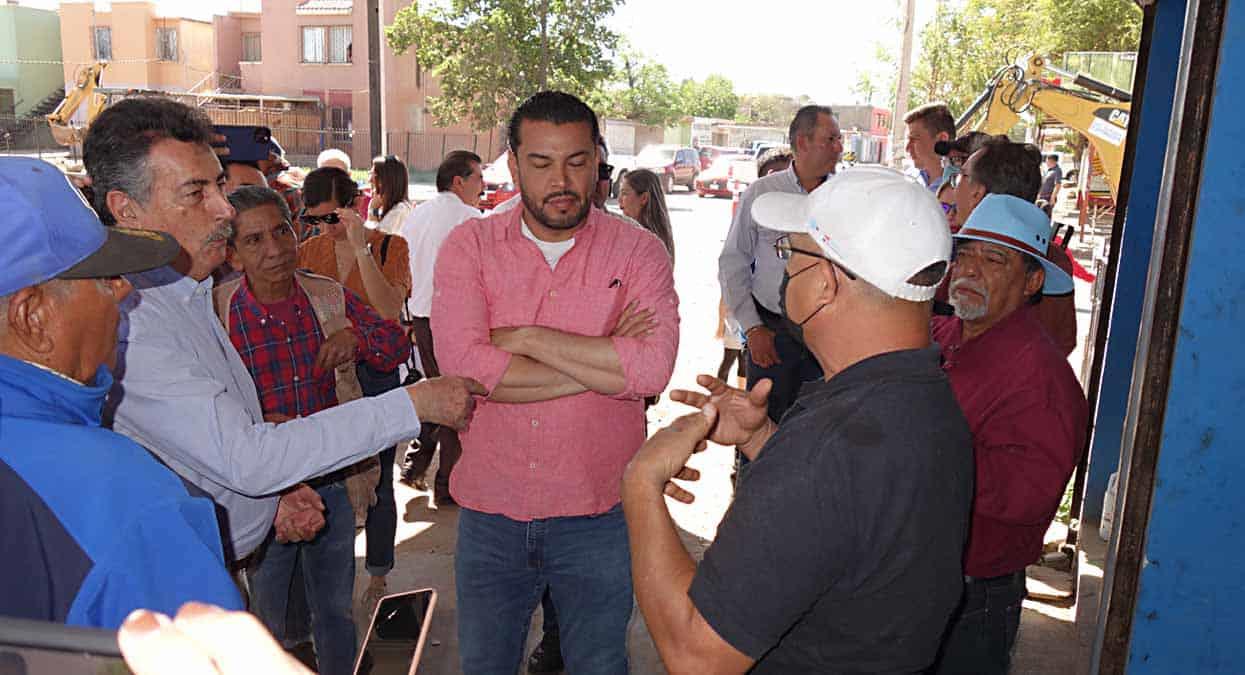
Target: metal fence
[[27, 136], [299, 133], [424, 151]]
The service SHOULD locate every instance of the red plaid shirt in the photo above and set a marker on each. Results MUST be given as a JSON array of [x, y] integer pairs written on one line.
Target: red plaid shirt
[[280, 357]]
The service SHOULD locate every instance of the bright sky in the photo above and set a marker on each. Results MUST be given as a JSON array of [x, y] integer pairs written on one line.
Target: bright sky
[[792, 47]]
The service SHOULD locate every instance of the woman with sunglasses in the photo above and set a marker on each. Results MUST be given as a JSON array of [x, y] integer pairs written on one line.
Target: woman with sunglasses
[[373, 265], [389, 206]]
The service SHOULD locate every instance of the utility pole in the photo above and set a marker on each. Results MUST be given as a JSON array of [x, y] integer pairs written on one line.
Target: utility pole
[[905, 77], [376, 127]]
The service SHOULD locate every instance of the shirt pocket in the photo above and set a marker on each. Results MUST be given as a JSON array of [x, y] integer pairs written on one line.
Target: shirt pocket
[[582, 310]]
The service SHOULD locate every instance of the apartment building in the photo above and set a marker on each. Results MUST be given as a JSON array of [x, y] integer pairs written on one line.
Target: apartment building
[[144, 47], [319, 48]]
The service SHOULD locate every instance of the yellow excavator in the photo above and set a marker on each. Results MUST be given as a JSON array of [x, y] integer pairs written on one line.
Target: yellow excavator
[[59, 120], [1100, 114]]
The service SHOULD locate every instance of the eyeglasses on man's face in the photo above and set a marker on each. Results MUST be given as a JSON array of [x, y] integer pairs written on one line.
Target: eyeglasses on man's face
[[785, 250]]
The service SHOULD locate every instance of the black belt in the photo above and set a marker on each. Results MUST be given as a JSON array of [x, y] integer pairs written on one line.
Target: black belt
[[1000, 580]]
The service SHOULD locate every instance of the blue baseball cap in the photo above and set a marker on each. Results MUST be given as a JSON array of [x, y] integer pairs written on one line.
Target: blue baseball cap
[[50, 232], [1019, 225]]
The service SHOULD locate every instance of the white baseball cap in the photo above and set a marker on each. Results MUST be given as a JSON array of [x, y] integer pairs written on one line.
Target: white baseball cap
[[874, 221]]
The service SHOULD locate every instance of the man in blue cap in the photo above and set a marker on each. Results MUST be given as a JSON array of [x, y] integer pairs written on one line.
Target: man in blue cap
[[1026, 411], [92, 526]]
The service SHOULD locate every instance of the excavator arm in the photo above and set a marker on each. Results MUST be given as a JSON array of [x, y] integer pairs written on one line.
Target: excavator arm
[[83, 90], [1019, 88]]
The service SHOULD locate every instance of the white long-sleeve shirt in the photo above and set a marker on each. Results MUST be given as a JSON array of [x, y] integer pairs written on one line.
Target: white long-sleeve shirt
[[425, 229]]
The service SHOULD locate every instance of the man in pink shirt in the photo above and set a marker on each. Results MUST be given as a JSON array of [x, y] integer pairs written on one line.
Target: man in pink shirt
[[568, 316]]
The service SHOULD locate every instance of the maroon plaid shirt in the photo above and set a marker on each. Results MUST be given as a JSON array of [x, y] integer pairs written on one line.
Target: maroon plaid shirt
[[280, 357]]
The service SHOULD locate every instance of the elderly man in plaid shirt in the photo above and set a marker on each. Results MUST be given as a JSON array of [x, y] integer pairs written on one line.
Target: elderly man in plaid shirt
[[300, 336]]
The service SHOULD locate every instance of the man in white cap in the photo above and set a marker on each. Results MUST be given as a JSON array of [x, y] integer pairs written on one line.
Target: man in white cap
[[1025, 408], [841, 551]]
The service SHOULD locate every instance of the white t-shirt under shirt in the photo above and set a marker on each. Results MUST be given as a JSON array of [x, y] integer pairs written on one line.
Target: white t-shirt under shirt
[[552, 250]]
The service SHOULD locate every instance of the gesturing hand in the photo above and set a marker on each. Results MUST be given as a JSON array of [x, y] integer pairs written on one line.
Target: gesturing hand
[[338, 349], [634, 322], [446, 400], [663, 457], [300, 514], [742, 418], [356, 232]]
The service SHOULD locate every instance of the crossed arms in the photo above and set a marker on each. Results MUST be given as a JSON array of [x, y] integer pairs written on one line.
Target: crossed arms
[[526, 364]]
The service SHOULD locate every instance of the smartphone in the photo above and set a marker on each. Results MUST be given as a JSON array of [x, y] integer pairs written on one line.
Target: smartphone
[[246, 143], [395, 638], [41, 648]]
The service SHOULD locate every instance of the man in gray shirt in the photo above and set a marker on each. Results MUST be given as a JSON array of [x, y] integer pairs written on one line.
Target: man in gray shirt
[[751, 274], [182, 390]]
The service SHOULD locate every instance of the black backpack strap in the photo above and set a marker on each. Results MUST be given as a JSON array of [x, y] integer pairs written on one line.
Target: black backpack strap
[[384, 249]]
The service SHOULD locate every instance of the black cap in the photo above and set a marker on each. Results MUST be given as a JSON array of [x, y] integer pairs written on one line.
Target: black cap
[[125, 251]]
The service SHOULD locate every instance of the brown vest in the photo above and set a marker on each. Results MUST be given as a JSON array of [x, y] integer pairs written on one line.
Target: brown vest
[[328, 302]]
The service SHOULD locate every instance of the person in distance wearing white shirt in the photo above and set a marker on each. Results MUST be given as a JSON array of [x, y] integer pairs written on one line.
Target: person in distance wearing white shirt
[[460, 181]]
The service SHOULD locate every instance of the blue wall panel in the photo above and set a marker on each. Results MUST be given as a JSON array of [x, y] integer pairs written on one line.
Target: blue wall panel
[[1137, 239], [1190, 615]]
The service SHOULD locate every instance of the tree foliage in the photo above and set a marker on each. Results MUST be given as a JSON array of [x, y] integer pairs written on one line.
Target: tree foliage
[[489, 55], [715, 97], [773, 110], [968, 41], [639, 90]]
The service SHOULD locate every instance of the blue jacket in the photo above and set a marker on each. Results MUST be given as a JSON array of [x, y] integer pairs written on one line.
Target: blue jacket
[[92, 527]]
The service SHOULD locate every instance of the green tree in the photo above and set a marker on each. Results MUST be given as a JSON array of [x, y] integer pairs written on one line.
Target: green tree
[[715, 97], [769, 110], [489, 55], [639, 90]]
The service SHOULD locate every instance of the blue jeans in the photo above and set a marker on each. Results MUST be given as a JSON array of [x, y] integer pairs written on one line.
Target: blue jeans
[[983, 628], [503, 567], [328, 576], [382, 519]]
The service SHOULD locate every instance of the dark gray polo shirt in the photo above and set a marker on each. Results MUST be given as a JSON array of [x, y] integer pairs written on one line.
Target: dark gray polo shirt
[[842, 550]]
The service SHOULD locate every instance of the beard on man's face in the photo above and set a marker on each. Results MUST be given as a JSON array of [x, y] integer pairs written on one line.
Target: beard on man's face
[[968, 309], [568, 220]]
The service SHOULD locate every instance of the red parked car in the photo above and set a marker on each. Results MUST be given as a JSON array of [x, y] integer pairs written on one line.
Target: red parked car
[[673, 164], [498, 185], [710, 153]]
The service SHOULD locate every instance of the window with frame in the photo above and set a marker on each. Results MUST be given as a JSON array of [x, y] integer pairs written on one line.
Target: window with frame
[[103, 43], [313, 44], [251, 48], [327, 44], [339, 44], [166, 44]]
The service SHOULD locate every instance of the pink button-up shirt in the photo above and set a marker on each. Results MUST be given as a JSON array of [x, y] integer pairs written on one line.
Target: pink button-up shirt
[[563, 457]]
